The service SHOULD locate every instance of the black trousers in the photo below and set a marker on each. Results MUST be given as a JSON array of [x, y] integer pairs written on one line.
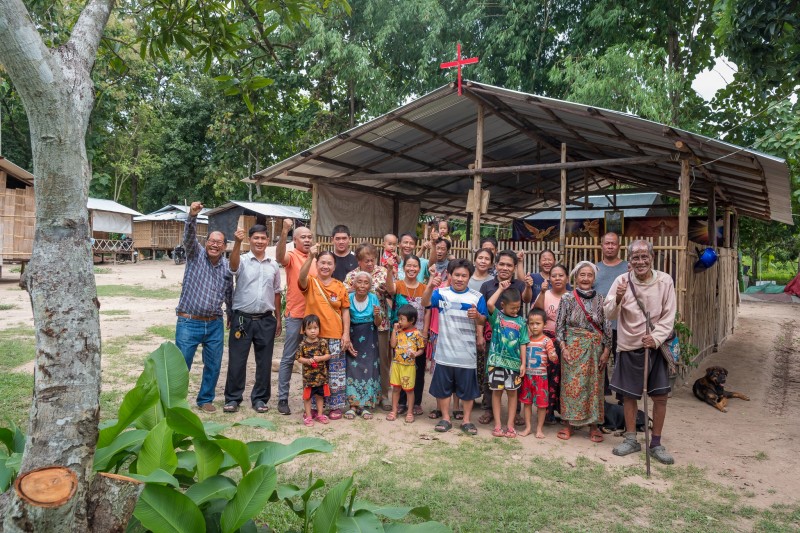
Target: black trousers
[[260, 333], [419, 384]]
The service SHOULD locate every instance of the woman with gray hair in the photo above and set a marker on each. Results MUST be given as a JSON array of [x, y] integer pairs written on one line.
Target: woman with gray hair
[[363, 369], [584, 336]]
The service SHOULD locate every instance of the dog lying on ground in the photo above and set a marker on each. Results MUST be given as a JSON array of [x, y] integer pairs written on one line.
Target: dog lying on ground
[[711, 389]]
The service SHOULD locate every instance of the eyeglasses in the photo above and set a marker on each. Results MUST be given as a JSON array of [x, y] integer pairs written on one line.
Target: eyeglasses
[[215, 242], [640, 258]]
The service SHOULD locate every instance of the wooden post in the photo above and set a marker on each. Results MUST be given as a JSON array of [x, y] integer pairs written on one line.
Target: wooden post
[[726, 228], [476, 183], [395, 215], [562, 232], [683, 237], [314, 210], [712, 217]]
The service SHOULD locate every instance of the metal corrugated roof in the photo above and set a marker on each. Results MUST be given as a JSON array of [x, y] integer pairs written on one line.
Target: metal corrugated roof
[[270, 210], [437, 132], [97, 204], [17, 172], [624, 203]]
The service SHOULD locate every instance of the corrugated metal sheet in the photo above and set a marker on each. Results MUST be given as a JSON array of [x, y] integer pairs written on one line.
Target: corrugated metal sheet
[[437, 132], [270, 210], [601, 203], [97, 204]]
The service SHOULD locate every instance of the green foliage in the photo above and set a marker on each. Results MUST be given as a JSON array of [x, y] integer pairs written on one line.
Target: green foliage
[[182, 460], [688, 351]]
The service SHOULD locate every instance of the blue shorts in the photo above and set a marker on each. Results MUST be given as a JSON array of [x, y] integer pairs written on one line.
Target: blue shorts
[[450, 379]]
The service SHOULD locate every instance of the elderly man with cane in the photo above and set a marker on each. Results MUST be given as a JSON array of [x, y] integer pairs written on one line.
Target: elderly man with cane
[[643, 291]]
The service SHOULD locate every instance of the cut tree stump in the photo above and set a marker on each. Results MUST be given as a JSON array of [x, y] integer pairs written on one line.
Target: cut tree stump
[[112, 498], [47, 487]]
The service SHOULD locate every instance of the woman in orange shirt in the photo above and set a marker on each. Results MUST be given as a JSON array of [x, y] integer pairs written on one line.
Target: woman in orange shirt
[[327, 298]]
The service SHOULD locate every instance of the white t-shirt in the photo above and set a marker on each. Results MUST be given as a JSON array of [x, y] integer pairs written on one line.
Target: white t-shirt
[[457, 333]]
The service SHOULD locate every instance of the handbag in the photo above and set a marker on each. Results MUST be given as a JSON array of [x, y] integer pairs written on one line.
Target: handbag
[[670, 348]]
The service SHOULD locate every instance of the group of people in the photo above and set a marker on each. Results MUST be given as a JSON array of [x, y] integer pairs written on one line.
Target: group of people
[[366, 326]]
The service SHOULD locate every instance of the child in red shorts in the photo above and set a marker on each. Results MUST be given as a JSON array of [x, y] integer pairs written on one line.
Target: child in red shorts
[[313, 354], [534, 384], [408, 344]]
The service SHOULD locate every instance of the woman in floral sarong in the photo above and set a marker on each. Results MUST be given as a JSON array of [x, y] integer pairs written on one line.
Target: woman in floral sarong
[[363, 370], [584, 336]]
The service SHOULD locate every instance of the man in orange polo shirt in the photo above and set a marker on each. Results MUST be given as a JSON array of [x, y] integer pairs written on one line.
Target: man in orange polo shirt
[[295, 303]]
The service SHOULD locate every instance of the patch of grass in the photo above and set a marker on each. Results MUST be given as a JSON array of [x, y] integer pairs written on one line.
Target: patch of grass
[[167, 332], [109, 403], [15, 401], [17, 347], [115, 312], [14, 270], [136, 291], [122, 345], [760, 456], [7, 307], [102, 270]]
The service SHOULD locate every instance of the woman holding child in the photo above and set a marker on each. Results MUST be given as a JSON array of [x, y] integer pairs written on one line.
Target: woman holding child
[[326, 297], [584, 336], [549, 299]]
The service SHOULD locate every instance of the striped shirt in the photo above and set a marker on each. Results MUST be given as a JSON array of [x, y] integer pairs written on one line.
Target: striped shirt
[[456, 344], [205, 285]]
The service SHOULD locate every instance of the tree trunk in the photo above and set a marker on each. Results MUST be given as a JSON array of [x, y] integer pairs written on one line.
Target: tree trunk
[[56, 88]]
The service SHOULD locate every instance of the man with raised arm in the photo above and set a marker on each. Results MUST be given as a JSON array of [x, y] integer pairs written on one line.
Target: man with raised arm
[[256, 319], [295, 303], [207, 283]]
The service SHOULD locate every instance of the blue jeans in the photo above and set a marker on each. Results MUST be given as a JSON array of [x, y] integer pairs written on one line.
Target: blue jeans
[[291, 340], [211, 334]]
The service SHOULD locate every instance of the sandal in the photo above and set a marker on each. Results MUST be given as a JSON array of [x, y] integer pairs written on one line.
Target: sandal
[[498, 432], [565, 433], [322, 419], [350, 414], [443, 426], [260, 407], [486, 418], [391, 417], [366, 415], [469, 428], [308, 421], [596, 435], [410, 418], [511, 433], [403, 409], [433, 415], [231, 407], [519, 421], [418, 411], [458, 415], [335, 414]]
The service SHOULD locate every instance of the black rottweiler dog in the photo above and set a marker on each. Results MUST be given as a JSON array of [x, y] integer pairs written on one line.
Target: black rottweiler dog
[[711, 389]]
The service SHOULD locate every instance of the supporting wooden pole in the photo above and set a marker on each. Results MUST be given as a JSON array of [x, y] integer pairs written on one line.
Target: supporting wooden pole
[[314, 210], [476, 183], [683, 238], [712, 217], [726, 228], [396, 216], [562, 232]]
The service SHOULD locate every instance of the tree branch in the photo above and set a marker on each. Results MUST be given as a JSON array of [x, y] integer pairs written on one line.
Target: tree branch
[[23, 53], [88, 31]]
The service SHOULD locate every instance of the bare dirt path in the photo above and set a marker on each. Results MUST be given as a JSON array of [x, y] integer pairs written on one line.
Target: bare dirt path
[[751, 449]]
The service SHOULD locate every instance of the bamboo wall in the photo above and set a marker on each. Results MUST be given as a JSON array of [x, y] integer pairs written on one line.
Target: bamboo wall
[[17, 221], [162, 234]]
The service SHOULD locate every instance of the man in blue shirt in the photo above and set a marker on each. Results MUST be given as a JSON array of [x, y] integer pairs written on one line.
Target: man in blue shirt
[[207, 283]]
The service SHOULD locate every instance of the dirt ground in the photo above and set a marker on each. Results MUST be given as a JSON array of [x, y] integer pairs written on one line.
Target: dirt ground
[[751, 448]]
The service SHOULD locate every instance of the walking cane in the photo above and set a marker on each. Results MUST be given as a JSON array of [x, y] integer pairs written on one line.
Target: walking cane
[[644, 395]]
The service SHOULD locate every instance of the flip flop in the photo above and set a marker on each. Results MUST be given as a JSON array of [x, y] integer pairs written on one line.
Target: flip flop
[[433, 415], [443, 426], [366, 415], [350, 414], [418, 411], [260, 407], [565, 433], [486, 418], [391, 417], [335, 414], [498, 432], [322, 419], [511, 433], [403, 409], [458, 415], [469, 428], [596, 435], [231, 407]]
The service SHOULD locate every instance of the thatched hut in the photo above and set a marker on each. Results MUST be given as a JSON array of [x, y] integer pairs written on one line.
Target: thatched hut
[[17, 213]]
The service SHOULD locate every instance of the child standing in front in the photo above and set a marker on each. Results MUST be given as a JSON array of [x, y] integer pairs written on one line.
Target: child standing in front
[[313, 354], [534, 385], [407, 343], [506, 362]]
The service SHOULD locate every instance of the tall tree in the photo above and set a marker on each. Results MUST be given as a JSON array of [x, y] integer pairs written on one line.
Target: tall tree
[[53, 79]]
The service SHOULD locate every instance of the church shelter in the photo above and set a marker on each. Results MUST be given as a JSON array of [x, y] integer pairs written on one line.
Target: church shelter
[[517, 154]]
